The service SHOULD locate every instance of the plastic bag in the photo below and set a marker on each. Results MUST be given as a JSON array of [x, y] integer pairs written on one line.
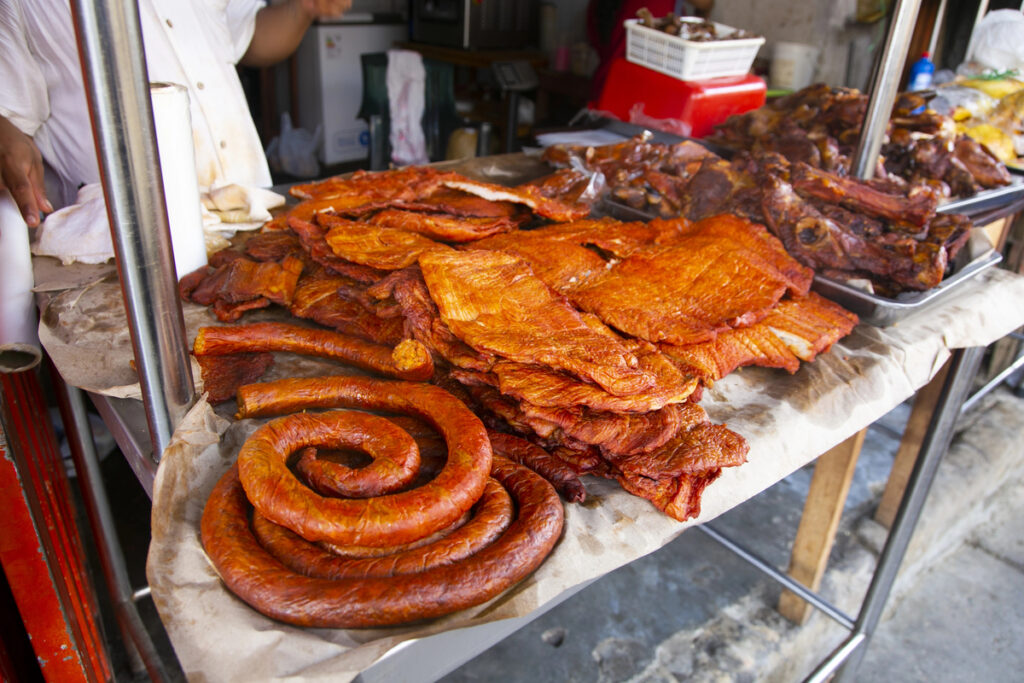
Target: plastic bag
[[674, 126], [998, 41], [294, 150], [960, 103]]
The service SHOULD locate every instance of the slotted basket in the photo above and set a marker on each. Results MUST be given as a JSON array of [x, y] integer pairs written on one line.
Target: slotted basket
[[690, 60]]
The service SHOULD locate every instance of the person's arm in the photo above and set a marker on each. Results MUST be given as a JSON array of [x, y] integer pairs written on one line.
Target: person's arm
[[280, 27], [21, 172]]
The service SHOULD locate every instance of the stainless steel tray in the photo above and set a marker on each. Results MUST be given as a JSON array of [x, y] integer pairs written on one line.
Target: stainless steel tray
[[883, 311], [987, 199]]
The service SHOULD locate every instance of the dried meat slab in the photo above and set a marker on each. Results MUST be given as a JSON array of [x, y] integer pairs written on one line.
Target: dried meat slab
[[493, 302], [685, 293], [751, 237], [545, 387], [333, 301], [532, 197], [409, 182], [422, 320], [554, 256], [312, 237], [810, 325], [443, 227], [674, 476], [376, 246], [613, 433], [796, 329]]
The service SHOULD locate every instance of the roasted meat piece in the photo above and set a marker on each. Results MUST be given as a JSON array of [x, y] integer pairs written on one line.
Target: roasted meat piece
[[375, 246], [532, 197], [442, 227], [241, 284], [336, 301], [314, 240], [494, 302]]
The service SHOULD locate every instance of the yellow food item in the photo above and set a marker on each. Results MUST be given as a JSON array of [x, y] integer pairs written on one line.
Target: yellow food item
[[996, 87], [1009, 113], [997, 140]]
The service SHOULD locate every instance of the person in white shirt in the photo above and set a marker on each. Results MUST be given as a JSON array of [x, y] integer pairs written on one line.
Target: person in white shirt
[[44, 112]]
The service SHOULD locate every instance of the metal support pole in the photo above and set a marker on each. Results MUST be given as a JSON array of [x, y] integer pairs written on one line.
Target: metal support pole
[[97, 505], [882, 94], [512, 121], [787, 581], [940, 18], [114, 68], [962, 367], [378, 143]]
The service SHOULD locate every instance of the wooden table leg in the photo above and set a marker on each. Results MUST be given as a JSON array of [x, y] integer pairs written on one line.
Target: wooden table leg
[[833, 473], [910, 445]]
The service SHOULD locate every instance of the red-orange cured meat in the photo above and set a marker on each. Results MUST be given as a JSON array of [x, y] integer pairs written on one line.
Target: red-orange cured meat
[[554, 469], [409, 360], [387, 520], [396, 459], [493, 515], [258, 578], [442, 227]]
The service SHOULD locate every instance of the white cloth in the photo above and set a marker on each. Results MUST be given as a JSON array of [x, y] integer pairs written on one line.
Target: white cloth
[[78, 232], [406, 81], [192, 42]]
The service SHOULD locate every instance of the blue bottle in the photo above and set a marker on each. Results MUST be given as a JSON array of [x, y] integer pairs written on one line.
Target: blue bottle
[[921, 74]]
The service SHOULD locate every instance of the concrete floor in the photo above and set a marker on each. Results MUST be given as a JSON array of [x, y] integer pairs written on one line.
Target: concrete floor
[[694, 612]]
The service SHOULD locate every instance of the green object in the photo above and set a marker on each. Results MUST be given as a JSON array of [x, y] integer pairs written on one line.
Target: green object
[[439, 116]]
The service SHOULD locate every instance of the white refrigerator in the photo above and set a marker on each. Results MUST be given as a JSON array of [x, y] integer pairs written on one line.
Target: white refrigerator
[[330, 83]]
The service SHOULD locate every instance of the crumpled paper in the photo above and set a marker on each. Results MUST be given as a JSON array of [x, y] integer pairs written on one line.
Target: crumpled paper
[[217, 637]]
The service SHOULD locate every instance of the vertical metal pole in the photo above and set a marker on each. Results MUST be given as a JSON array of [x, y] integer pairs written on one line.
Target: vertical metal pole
[[512, 121], [940, 18], [114, 68], [962, 367], [378, 143], [882, 94], [483, 140], [97, 506]]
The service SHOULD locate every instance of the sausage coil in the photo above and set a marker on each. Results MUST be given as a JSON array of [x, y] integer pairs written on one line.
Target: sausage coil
[[255, 576], [396, 459], [492, 516], [388, 520]]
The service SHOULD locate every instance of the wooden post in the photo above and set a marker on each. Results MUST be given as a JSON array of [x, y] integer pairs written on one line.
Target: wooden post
[[833, 473]]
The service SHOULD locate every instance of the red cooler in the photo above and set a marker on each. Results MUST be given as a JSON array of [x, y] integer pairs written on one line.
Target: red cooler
[[701, 104]]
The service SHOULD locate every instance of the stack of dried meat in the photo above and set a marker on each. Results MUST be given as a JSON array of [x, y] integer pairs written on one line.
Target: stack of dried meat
[[841, 227], [820, 126], [592, 338]]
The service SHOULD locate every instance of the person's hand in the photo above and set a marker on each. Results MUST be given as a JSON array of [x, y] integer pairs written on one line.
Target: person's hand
[[21, 172], [326, 8]]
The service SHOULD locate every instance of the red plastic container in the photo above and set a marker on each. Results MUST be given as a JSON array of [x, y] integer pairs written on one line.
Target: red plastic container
[[701, 104]]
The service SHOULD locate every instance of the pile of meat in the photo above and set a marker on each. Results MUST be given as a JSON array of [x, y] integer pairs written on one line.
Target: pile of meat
[[820, 126], [590, 338], [688, 28], [843, 228]]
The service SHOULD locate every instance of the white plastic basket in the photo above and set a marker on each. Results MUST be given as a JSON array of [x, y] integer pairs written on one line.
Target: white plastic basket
[[690, 60]]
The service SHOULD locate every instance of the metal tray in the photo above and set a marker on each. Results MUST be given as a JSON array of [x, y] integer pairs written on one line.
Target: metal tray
[[987, 199], [871, 308], [883, 311]]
